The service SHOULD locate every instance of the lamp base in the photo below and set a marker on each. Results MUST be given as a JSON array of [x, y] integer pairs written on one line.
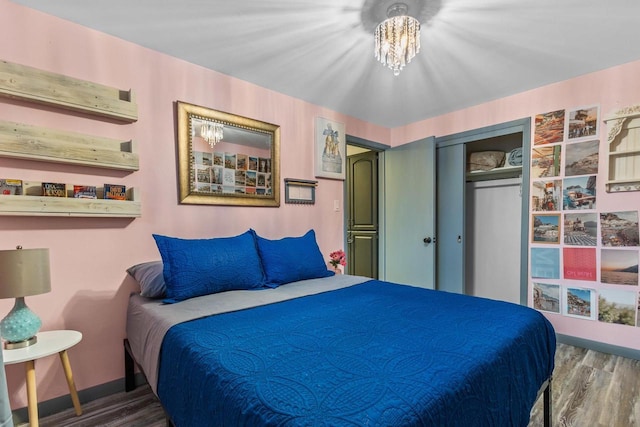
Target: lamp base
[[20, 344], [20, 326]]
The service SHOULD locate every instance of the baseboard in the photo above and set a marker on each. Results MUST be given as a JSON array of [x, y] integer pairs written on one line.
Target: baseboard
[[629, 353], [62, 403]]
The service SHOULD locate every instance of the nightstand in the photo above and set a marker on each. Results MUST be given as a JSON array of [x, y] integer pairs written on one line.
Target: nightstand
[[49, 342]]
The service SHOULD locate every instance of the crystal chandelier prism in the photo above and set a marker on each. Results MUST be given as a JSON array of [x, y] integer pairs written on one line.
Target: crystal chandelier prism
[[397, 38], [212, 133]]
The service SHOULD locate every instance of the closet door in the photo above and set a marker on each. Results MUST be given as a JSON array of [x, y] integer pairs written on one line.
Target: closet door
[[409, 214], [450, 189], [493, 239]]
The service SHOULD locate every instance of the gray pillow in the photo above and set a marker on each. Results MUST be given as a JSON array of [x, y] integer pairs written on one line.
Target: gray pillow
[[150, 277]]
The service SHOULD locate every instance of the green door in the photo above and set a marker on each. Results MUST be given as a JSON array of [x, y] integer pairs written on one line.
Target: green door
[[409, 214], [362, 214]]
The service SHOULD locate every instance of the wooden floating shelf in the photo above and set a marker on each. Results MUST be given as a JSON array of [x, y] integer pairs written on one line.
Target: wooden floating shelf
[[26, 205], [43, 87], [28, 142]]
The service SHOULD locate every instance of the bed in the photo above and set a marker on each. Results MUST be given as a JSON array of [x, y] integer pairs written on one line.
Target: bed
[[339, 350]]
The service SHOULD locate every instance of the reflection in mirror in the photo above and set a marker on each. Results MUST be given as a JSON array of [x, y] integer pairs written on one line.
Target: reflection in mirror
[[227, 159]]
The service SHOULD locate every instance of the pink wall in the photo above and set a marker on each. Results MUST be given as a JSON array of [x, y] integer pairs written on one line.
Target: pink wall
[[611, 89], [89, 256]]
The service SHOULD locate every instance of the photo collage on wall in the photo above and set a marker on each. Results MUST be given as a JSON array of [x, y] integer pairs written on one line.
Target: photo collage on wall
[[224, 172], [584, 261]]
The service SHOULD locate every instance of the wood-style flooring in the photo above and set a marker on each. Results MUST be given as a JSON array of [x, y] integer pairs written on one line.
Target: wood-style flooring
[[590, 389]]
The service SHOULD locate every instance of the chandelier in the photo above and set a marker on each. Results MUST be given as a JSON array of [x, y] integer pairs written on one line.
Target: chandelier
[[211, 132], [397, 38]]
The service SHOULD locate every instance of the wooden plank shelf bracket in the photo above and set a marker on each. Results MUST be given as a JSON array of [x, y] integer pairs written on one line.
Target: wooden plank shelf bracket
[[44, 87]]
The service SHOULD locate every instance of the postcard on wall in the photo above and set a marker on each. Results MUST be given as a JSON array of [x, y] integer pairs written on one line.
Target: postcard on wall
[[546, 195], [581, 229], [579, 193], [546, 161], [230, 160], [546, 297], [581, 158], [241, 178], [580, 264], [228, 178], [242, 162], [203, 174], [218, 159], [583, 123], [545, 263], [579, 302], [619, 266], [253, 163], [329, 149], [617, 306], [638, 312], [250, 178], [545, 228], [549, 128], [619, 228], [203, 158]]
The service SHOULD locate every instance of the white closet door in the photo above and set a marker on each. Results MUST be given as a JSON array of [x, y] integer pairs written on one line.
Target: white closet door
[[493, 230]]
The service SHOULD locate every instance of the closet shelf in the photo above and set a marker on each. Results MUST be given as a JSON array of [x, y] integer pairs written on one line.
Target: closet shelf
[[44, 87], [497, 173], [28, 142]]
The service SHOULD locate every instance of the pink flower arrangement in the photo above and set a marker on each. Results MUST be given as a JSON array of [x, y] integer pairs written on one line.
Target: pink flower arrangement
[[337, 257]]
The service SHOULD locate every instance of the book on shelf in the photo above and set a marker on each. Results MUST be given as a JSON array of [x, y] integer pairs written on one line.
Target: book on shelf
[[115, 192], [54, 189], [10, 187], [85, 192]]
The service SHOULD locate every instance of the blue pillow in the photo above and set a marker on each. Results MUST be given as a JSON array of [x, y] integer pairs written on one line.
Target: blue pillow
[[205, 266], [291, 259], [149, 276]]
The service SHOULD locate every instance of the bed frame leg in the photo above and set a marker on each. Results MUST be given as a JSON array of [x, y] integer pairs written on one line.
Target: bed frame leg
[[548, 415], [129, 374]]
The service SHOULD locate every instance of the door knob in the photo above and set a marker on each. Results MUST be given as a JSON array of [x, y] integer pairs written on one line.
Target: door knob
[[427, 240]]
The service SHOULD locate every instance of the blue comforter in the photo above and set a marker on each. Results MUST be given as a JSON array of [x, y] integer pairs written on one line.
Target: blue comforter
[[373, 354]]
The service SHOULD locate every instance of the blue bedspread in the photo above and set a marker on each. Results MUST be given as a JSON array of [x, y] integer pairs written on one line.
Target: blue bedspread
[[373, 354]]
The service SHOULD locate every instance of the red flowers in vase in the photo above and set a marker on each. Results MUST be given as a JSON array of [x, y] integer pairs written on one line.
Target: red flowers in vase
[[337, 258]]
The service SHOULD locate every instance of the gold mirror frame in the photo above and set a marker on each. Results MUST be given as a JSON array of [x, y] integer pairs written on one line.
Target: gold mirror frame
[[243, 151]]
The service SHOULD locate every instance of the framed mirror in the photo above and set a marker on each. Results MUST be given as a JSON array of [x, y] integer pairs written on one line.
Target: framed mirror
[[224, 159]]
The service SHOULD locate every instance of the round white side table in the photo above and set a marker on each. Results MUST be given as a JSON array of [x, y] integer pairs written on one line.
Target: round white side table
[[49, 342]]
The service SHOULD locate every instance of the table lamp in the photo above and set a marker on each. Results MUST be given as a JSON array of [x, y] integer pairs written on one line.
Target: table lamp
[[23, 272]]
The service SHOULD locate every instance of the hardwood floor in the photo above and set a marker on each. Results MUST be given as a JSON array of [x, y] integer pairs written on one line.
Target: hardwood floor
[[590, 389]]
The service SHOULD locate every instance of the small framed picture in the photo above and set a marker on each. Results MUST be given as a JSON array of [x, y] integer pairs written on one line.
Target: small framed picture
[[329, 149], [300, 191]]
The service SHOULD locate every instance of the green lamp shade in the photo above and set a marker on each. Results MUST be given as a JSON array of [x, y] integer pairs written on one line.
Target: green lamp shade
[[20, 324]]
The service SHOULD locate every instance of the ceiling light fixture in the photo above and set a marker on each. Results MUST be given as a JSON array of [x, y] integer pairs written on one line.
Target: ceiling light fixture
[[397, 38], [212, 132]]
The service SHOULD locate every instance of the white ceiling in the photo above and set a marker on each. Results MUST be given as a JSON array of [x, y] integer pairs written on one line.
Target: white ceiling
[[473, 51]]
